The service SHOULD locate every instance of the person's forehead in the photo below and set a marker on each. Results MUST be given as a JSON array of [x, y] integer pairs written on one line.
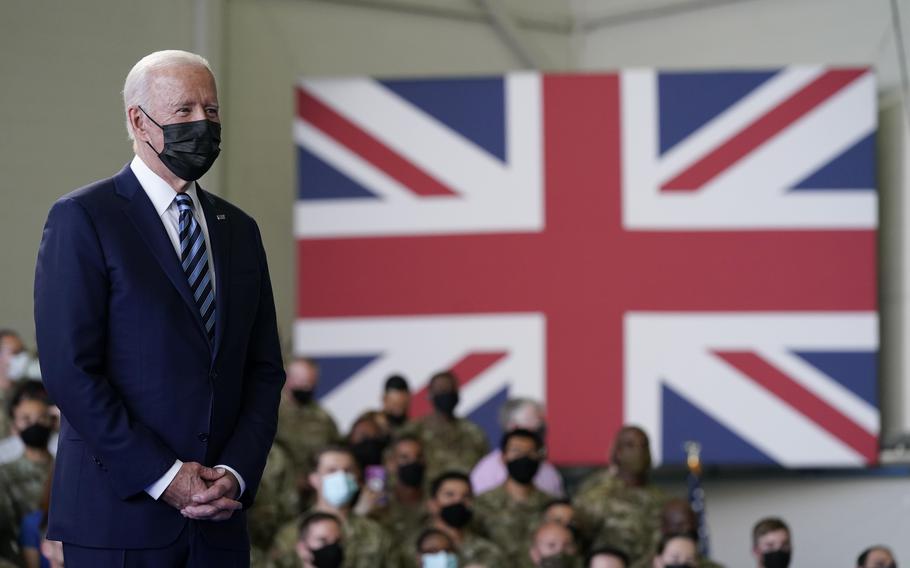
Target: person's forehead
[[560, 509], [407, 447], [879, 554], [520, 443], [458, 485], [681, 545], [435, 541], [30, 406], [325, 527], [10, 343], [335, 459], [775, 535], [553, 533]]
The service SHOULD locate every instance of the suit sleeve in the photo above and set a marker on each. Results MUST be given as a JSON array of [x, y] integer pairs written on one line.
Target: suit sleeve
[[248, 448], [71, 311]]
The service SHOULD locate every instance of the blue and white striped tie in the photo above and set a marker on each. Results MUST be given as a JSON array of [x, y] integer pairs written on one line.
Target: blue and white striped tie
[[195, 261]]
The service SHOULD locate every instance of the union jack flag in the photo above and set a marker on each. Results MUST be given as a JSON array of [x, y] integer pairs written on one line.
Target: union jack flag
[[693, 252]]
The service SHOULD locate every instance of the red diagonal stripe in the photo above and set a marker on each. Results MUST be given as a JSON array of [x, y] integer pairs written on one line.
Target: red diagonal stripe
[[469, 367], [760, 131], [367, 147], [804, 401]]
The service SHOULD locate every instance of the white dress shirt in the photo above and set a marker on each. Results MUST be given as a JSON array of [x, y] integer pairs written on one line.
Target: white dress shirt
[[163, 197]]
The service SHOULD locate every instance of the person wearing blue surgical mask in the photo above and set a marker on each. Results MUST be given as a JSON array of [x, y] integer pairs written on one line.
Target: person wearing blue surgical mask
[[435, 549], [336, 481]]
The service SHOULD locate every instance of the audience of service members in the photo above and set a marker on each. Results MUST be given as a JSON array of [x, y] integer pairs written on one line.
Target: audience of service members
[[396, 492]]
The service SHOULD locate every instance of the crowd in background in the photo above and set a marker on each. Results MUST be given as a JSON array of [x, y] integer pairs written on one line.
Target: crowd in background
[[400, 492]]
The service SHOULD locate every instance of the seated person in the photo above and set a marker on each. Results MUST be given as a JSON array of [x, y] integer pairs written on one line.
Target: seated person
[[319, 545], [771, 544], [552, 546], [676, 550], [436, 550], [607, 557], [876, 557]]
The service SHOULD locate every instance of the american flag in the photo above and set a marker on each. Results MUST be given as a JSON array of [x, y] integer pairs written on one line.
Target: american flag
[[692, 252]]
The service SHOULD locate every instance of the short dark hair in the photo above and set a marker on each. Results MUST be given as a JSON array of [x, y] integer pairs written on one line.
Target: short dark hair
[[767, 525], [316, 517], [6, 332], [396, 383], [330, 449], [444, 375], [609, 551], [436, 485], [406, 438], [559, 501], [27, 390], [664, 540], [427, 533], [861, 561], [520, 433]]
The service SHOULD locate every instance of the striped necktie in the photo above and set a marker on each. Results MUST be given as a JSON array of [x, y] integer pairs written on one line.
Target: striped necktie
[[195, 261]]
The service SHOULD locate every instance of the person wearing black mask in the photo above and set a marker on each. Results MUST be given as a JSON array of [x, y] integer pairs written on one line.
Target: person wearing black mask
[[320, 543], [676, 551], [450, 442], [396, 402], [22, 481], [303, 426], [451, 508], [405, 514], [507, 514], [772, 546]]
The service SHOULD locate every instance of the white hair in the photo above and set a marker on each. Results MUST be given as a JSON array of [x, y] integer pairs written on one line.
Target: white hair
[[138, 80]]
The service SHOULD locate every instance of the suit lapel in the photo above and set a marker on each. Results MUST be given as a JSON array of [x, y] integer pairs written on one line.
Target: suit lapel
[[142, 213], [218, 223]]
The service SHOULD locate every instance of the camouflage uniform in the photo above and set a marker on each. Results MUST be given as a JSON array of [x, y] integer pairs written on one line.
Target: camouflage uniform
[[403, 523], [448, 444], [508, 523], [4, 415], [304, 430], [708, 563], [21, 489], [477, 550], [366, 545], [276, 499], [617, 515]]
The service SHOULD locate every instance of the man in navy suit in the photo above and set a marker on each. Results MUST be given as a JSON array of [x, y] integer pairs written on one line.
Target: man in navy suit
[[157, 333]]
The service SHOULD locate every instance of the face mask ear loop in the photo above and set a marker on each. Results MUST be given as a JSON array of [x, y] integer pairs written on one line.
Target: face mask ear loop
[[156, 124]]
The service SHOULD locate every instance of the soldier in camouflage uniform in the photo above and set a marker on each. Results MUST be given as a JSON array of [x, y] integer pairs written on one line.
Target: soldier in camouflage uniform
[[677, 517], [451, 511], [336, 480], [508, 514], [303, 426], [321, 541], [396, 402], [276, 500], [552, 546], [405, 514], [450, 443], [22, 481], [617, 506]]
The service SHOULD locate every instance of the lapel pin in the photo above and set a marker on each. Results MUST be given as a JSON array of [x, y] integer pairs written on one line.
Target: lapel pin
[[221, 217]]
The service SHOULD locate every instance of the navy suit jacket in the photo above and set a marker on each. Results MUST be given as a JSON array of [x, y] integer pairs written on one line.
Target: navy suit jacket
[[124, 354]]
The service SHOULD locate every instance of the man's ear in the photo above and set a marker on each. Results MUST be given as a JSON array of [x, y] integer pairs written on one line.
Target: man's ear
[[314, 480], [138, 123]]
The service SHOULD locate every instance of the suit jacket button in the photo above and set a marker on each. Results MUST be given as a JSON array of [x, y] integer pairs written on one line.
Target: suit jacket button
[[203, 437], [213, 375]]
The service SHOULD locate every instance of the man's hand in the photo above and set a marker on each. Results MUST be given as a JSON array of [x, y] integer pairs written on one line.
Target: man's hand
[[192, 478], [216, 502]]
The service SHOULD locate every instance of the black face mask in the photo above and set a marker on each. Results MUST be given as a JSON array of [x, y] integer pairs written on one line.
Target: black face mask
[[776, 559], [523, 469], [396, 419], [445, 402], [36, 436], [369, 451], [190, 148], [302, 396], [411, 474], [329, 556], [456, 515]]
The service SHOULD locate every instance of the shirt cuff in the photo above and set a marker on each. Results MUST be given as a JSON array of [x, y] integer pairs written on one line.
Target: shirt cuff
[[157, 488], [237, 475]]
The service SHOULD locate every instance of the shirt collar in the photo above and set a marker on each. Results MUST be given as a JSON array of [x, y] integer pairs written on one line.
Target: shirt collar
[[160, 193]]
